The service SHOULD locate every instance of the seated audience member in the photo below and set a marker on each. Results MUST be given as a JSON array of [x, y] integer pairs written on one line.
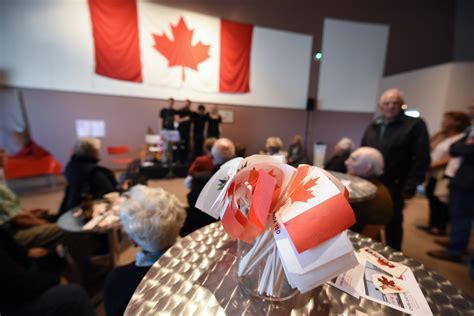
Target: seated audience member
[[32, 229], [27, 290], [296, 152], [29, 227], [204, 162], [273, 146], [240, 150], [152, 218], [342, 150], [222, 151], [371, 215], [84, 175], [201, 163]]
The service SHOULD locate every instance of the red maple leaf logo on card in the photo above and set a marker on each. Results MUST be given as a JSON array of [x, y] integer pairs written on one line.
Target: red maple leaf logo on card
[[180, 51], [388, 284], [385, 262]]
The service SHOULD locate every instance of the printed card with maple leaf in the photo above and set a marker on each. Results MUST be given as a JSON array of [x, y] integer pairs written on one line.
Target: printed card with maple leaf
[[387, 284]]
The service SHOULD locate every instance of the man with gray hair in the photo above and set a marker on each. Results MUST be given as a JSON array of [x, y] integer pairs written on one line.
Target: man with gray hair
[[222, 151], [371, 215], [152, 218], [404, 144]]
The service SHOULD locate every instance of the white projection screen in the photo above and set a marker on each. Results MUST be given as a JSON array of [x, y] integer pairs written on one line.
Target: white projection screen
[[352, 65]]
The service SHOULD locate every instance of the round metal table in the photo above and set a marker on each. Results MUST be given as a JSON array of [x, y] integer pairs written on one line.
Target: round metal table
[[197, 276], [359, 189], [73, 224]]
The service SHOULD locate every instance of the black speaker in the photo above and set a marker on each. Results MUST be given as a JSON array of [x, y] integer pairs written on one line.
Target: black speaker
[[310, 104]]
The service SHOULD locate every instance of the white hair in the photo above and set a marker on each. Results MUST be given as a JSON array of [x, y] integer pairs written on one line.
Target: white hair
[[87, 146], [152, 217], [274, 142], [395, 91], [223, 150], [345, 144], [372, 156]]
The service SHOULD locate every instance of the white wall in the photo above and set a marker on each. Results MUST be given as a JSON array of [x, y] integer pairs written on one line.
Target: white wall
[[461, 86], [11, 120], [435, 90], [48, 44], [352, 65]]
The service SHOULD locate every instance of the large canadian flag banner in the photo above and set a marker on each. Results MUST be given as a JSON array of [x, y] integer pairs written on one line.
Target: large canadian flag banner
[[138, 48], [141, 41]]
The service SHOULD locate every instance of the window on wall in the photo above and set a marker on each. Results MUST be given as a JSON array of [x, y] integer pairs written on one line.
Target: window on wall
[[90, 128]]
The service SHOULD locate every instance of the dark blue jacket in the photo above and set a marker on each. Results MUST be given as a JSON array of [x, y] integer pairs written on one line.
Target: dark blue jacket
[[464, 178]]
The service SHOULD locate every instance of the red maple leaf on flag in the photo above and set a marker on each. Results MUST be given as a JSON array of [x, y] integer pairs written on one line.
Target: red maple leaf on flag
[[302, 192], [180, 51], [299, 190]]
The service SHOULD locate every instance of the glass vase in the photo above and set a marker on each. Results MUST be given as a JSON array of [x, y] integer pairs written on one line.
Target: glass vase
[[260, 271]]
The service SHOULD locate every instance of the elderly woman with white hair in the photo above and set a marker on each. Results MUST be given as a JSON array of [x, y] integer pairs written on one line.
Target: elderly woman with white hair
[[273, 147], [84, 175], [152, 218], [371, 215]]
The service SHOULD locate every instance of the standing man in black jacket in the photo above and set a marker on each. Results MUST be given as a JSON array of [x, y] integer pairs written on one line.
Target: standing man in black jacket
[[183, 117], [461, 199], [404, 144]]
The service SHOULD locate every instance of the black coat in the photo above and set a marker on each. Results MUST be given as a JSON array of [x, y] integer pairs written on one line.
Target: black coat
[[20, 279], [120, 285], [84, 175], [464, 178], [195, 218], [405, 148], [337, 162]]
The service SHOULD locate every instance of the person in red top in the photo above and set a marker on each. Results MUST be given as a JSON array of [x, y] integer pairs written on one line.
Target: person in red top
[[201, 163], [222, 151]]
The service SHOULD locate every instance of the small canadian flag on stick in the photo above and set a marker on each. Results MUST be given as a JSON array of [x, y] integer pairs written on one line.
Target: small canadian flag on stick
[[294, 218]]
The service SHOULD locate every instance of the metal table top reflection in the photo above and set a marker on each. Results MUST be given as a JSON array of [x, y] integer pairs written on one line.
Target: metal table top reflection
[[197, 276], [359, 189]]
